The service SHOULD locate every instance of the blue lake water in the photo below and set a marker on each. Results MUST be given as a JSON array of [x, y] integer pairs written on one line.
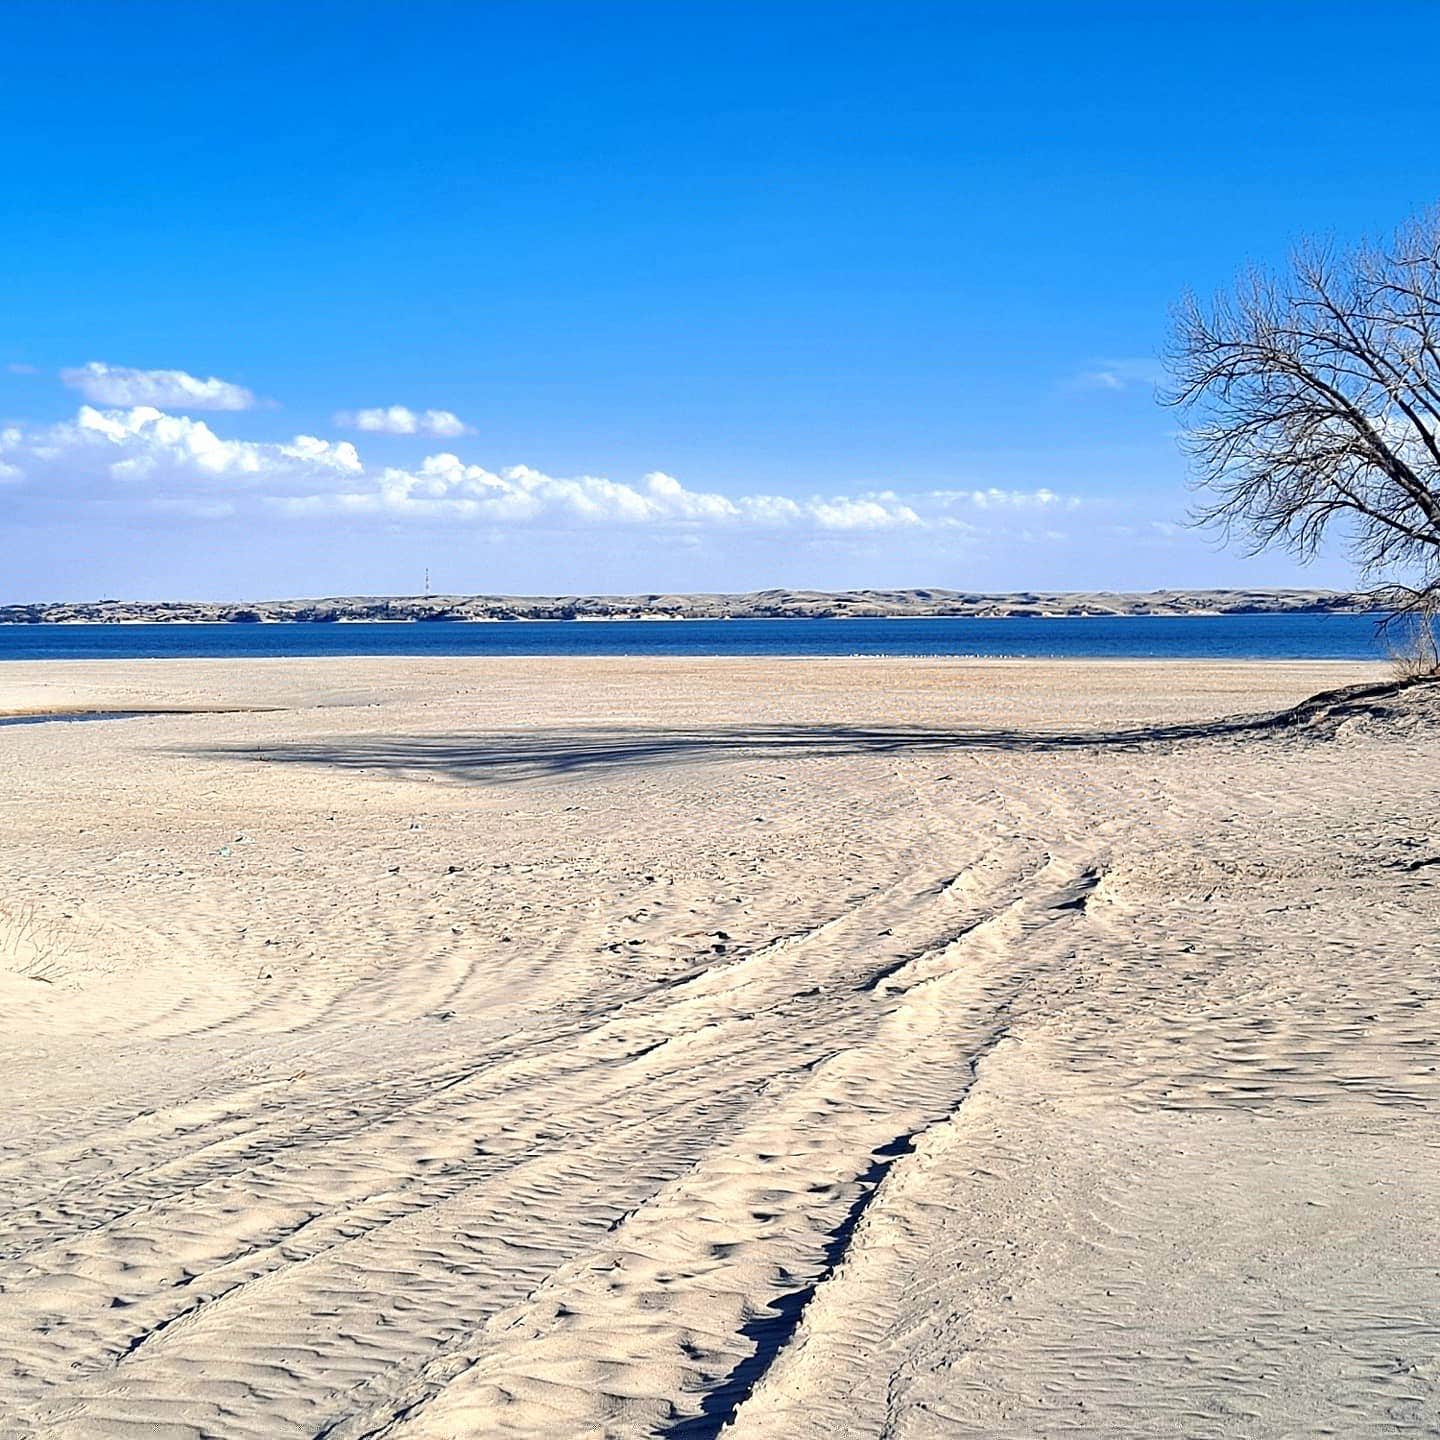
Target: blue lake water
[[1198, 637]]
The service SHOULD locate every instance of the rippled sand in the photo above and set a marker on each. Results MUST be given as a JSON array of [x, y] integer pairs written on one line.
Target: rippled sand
[[834, 1048]]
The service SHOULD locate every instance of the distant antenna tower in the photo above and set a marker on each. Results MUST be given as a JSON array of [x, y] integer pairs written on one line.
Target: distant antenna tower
[[427, 579]]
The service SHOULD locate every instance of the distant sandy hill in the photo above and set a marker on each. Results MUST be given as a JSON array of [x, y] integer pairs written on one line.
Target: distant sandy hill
[[760, 604]]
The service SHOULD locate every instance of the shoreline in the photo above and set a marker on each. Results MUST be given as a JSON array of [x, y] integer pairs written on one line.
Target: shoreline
[[174, 687], [427, 664], [698, 619]]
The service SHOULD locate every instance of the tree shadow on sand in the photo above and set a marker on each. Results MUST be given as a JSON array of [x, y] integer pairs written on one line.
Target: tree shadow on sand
[[504, 758]]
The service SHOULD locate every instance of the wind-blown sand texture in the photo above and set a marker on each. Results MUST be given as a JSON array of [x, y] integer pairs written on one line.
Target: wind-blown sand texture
[[814, 1048]]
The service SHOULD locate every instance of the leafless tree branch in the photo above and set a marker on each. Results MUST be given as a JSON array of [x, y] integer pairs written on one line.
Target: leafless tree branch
[[1311, 403]]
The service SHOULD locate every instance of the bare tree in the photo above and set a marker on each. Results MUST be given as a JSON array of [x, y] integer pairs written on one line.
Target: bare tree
[[1311, 402]]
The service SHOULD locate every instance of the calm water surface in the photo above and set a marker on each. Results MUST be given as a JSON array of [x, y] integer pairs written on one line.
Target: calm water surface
[[1201, 637]]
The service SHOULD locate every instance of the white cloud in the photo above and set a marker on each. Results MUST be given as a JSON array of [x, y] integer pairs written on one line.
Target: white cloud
[[146, 458], [103, 384], [166, 462], [19, 367], [338, 455], [1112, 375], [863, 514], [997, 499], [443, 487], [400, 420]]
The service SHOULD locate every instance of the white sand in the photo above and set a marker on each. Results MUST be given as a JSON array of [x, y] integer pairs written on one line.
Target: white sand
[[834, 1048]]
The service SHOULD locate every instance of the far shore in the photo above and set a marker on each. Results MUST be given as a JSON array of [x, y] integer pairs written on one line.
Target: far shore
[[775, 604], [682, 619]]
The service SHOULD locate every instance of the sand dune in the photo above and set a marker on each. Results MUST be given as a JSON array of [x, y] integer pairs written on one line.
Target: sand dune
[[592, 1048], [756, 604]]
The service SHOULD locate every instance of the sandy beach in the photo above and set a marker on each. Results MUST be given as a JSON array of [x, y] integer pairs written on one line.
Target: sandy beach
[[580, 1048]]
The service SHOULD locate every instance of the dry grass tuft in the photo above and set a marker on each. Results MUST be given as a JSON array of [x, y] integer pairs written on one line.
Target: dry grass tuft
[[1413, 645], [31, 945]]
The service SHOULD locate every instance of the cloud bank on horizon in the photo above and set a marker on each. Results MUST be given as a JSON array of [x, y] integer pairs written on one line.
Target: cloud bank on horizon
[[127, 452]]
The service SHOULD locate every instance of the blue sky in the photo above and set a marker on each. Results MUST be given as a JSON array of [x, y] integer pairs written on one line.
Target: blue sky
[[657, 296]]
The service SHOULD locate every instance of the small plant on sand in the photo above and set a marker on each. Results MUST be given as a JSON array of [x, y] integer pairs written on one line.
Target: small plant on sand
[[30, 945], [1412, 641]]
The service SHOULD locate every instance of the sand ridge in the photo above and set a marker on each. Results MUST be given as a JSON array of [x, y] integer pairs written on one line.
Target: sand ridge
[[515, 1048], [761, 604]]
